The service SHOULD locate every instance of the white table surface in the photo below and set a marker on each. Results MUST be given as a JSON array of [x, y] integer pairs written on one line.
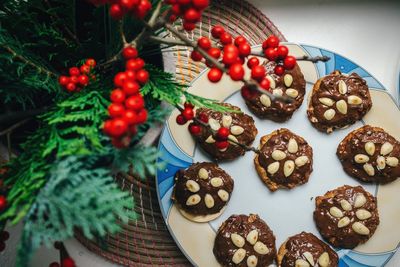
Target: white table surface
[[367, 32]]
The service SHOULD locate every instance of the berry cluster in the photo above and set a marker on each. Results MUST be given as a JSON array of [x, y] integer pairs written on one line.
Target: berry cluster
[[186, 115], [189, 10], [79, 77], [127, 109], [278, 53], [119, 8]]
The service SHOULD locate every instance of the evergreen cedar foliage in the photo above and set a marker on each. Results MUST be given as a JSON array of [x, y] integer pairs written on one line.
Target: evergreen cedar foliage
[[62, 178]]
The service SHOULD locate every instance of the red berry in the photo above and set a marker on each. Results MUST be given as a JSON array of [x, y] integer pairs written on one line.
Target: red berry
[[214, 52], [246, 92], [194, 129], [176, 9], [230, 48], [71, 87], [83, 80], [128, 4], [264, 45], [230, 57], [253, 61], [180, 119], [63, 80], [184, 2], [74, 71], [106, 129], [118, 127], [121, 142], [68, 262], [116, 110], [203, 117], [217, 31], [188, 105], [54, 264], [142, 76], [272, 41], [135, 64], [225, 38], [130, 117], [130, 87], [236, 71], [279, 70], [214, 75], [73, 79], [135, 102], [223, 133], [265, 84], [244, 50], [204, 43], [116, 11], [240, 40], [289, 62], [222, 144], [200, 4], [240, 60], [118, 96], [172, 18], [130, 75], [85, 69], [142, 9], [142, 116], [129, 52], [188, 113], [90, 62], [258, 72], [271, 54], [189, 26], [282, 51], [4, 235], [119, 79], [196, 56]]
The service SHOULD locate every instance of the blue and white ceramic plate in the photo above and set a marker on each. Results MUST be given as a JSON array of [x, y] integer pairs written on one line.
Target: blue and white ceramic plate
[[287, 212]]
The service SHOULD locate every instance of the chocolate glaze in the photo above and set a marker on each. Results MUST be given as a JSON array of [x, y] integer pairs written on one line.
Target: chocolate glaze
[[298, 244], [181, 192], [239, 119], [344, 237], [354, 144], [224, 248], [328, 87], [279, 141], [279, 111]]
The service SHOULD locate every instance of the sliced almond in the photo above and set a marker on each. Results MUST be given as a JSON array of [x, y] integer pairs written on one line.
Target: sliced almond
[[272, 82], [237, 240], [345, 205], [309, 257], [226, 121], [386, 148], [392, 161], [293, 147], [360, 200], [336, 212], [361, 158], [301, 263], [261, 248], [277, 92], [369, 148], [288, 80], [360, 228], [342, 87], [380, 162], [224, 196], [192, 186], [193, 200], [209, 201], [265, 100], [369, 169], [343, 222], [324, 260], [326, 101], [341, 106], [210, 140], [252, 236], [363, 214], [293, 93], [252, 261], [273, 167], [233, 140], [278, 155], [239, 256], [301, 161], [329, 114], [354, 100], [203, 174], [288, 168], [237, 130], [214, 124], [216, 182]]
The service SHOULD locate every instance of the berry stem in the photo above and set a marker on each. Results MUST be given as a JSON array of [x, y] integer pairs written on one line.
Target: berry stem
[[121, 30], [166, 41], [303, 58]]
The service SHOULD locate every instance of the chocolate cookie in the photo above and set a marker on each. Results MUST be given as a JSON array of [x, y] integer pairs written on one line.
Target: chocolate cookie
[[370, 154], [291, 84], [285, 160], [241, 127], [337, 101], [202, 191], [306, 250], [346, 216], [244, 241]]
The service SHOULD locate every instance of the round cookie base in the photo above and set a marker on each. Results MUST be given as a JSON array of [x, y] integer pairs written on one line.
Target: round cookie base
[[201, 218]]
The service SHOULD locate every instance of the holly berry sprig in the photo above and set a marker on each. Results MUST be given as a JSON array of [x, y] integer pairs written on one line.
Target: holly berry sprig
[[66, 261], [79, 77], [127, 109], [119, 8], [189, 10]]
